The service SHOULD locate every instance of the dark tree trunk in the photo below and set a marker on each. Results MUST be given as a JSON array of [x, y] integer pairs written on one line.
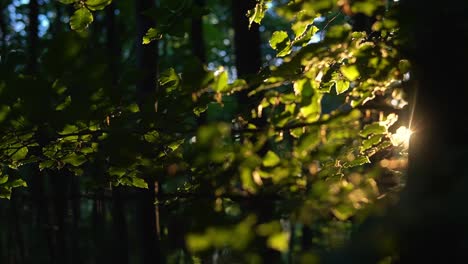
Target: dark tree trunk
[[434, 209], [33, 37], [98, 224], [16, 241], [119, 224], [59, 185], [75, 254], [197, 37], [146, 55], [3, 31], [146, 93], [246, 41]]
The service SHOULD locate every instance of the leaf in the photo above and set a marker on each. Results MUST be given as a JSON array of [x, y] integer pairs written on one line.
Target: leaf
[[343, 212], [116, 171], [312, 111], [279, 241], [81, 19], [374, 128], [221, 81], [97, 4], [303, 38], [169, 80], [151, 35], [68, 1], [271, 159], [75, 159], [368, 143], [139, 183], [176, 144], [17, 183], [351, 72], [3, 179], [281, 43], [258, 13], [20, 154], [357, 162], [341, 86]]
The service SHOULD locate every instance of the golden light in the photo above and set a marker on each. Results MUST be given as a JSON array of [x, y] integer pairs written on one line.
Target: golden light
[[401, 136]]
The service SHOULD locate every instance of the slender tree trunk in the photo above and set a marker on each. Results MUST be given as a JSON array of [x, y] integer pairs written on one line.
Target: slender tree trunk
[[119, 224], [59, 185], [99, 227], [246, 41], [146, 92], [3, 31], [146, 55], [16, 242], [197, 37], [75, 254], [33, 37]]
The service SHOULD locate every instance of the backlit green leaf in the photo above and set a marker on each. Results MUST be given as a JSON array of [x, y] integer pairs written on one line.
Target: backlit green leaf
[[81, 19], [271, 159], [281, 43], [351, 72], [152, 35], [97, 4]]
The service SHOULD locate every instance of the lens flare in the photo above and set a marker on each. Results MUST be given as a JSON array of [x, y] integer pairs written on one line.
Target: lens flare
[[401, 136]]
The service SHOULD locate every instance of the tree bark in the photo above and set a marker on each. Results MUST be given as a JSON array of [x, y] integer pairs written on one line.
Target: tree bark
[[146, 94], [433, 222], [33, 37], [119, 223], [246, 41], [197, 37]]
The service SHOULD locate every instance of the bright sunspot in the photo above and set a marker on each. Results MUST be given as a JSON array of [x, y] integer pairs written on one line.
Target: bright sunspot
[[401, 136]]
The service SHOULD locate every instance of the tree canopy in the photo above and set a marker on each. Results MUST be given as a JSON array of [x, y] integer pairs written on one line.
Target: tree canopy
[[202, 131]]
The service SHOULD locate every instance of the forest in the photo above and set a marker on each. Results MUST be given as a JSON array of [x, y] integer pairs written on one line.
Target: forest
[[233, 131]]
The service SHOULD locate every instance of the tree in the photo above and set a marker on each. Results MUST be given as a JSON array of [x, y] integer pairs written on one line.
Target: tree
[[299, 171]]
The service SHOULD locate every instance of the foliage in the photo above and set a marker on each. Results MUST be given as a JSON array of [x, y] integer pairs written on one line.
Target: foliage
[[307, 152]]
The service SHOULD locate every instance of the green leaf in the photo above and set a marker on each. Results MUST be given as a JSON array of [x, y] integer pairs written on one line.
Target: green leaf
[[279, 241], [258, 13], [75, 159], [17, 183], [221, 81], [152, 35], [341, 86], [313, 110], [3, 179], [357, 162], [374, 128], [97, 4], [20, 154], [116, 171], [68, 1], [139, 183], [368, 143], [281, 43], [343, 212], [271, 159], [81, 19], [303, 37], [169, 80], [351, 72], [46, 164]]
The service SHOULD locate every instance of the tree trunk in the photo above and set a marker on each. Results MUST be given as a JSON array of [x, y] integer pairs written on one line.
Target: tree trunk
[[33, 37], [146, 56], [246, 41], [119, 224], [197, 37], [433, 205], [146, 94]]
